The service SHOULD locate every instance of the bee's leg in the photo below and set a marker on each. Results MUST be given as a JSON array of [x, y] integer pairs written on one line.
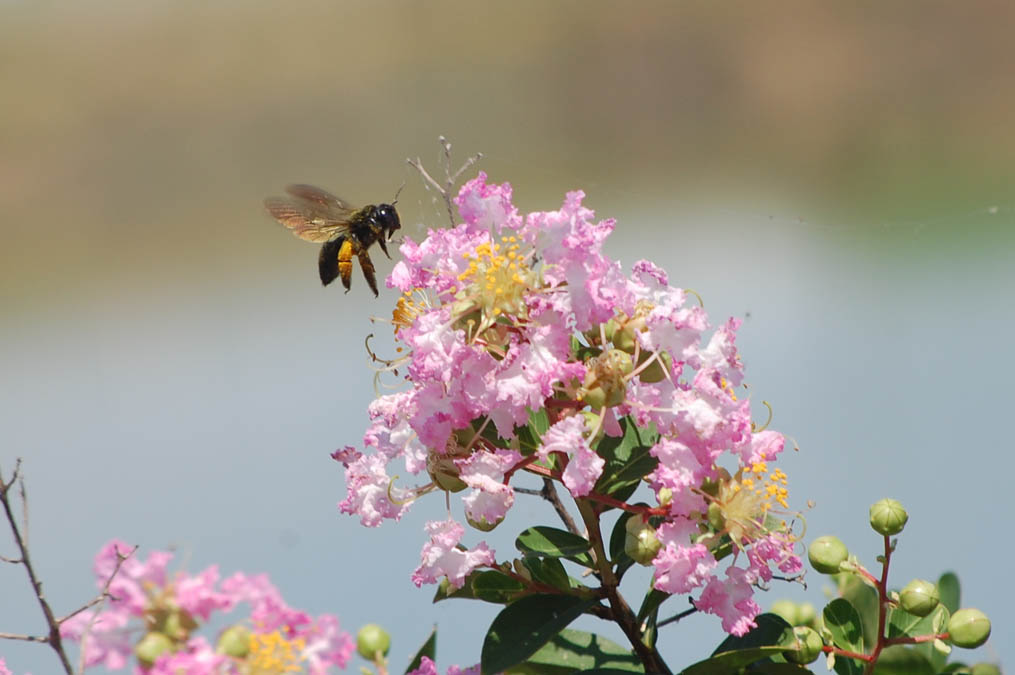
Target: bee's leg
[[328, 262], [345, 263], [368, 269], [384, 245]]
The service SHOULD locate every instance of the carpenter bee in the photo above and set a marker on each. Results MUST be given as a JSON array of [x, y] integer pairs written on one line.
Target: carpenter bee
[[313, 214]]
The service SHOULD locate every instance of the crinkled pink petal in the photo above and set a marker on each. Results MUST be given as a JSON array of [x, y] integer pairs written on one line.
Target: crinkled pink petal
[[110, 643], [197, 594], [487, 206], [680, 566], [367, 489], [490, 498], [197, 658], [732, 600], [441, 558]]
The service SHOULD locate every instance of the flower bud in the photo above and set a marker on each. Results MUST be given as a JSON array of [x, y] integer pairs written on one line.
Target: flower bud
[[371, 640], [968, 628], [483, 525], [445, 474], [151, 647], [806, 614], [984, 669], [825, 554], [604, 379], [624, 338], [808, 646], [715, 517], [919, 597], [640, 541], [887, 517], [655, 372], [234, 641], [787, 609], [178, 625]]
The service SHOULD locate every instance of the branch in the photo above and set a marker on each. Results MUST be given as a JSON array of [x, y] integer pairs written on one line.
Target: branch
[[445, 190], [53, 638], [622, 613]]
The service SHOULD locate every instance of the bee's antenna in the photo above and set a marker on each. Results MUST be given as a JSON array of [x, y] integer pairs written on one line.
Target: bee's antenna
[[395, 200]]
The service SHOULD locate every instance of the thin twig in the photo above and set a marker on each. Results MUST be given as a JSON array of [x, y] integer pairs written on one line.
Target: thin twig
[[53, 638], [549, 493], [450, 179], [676, 617]]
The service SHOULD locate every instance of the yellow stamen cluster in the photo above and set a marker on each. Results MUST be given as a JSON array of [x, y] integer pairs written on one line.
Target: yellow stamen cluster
[[498, 277], [405, 312], [272, 654], [745, 499]]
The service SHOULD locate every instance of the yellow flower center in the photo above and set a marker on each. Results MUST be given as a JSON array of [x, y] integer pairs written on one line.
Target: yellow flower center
[[498, 278], [272, 654]]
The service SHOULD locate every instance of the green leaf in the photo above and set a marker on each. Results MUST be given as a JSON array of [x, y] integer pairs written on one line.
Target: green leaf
[[446, 592], [733, 663], [530, 436], [934, 623], [865, 599], [627, 460], [429, 649], [651, 603], [551, 572], [843, 621], [771, 630], [949, 591], [555, 543], [902, 660], [573, 651], [496, 587], [617, 555], [527, 624]]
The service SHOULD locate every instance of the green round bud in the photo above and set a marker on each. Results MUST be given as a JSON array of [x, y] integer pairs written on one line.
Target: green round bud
[[595, 397], [825, 554], [151, 647], [623, 338], [234, 641], [665, 496], [787, 609], [887, 517], [919, 597], [985, 669], [655, 372], [178, 625], [641, 542], [371, 640], [482, 525], [806, 614], [968, 628], [808, 646]]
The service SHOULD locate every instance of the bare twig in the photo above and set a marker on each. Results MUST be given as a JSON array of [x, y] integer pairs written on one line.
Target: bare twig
[[445, 190], [20, 532], [549, 493]]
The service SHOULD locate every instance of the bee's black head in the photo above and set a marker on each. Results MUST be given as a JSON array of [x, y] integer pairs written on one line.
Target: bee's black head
[[387, 218]]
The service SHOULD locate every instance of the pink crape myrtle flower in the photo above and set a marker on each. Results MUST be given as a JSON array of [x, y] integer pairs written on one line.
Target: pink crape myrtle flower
[[442, 558], [731, 600], [147, 594], [3, 667], [522, 345]]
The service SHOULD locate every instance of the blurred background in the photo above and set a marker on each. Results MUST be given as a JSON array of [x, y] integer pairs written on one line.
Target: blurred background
[[174, 375]]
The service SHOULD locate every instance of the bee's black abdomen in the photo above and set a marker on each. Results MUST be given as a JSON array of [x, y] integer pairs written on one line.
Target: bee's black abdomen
[[327, 263]]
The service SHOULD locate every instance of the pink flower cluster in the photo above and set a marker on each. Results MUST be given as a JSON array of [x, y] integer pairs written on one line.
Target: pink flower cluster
[[504, 316], [145, 599]]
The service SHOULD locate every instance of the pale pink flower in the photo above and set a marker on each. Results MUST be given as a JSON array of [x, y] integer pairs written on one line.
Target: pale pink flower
[[731, 600], [441, 557]]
